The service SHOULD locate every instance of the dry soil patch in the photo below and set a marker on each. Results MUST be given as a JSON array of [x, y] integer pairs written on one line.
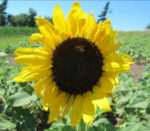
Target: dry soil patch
[[137, 71]]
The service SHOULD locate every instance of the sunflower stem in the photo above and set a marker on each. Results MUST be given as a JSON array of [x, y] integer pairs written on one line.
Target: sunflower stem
[[82, 126]]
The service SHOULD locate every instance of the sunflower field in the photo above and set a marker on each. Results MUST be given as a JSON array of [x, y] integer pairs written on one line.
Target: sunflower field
[[21, 110]]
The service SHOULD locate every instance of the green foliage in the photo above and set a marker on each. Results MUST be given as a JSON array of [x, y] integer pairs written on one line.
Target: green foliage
[[137, 45], [21, 98], [9, 49], [6, 125], [3, 7], [14, 31], [148, 26], [132, 104], [19, 107], [102, 16], [145, 80], [62, 125]]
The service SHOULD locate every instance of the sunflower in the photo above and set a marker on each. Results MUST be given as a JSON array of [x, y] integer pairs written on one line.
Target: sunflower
[[76, 68]]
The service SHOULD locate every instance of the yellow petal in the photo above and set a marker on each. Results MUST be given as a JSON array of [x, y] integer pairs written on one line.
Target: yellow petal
[[117, 63], [71, 24], [41, 85], [114, 47], [76, 6], [98, 92], [76, 113], [33, 60], [100, 99], [45, 108], [107, 84], [48, 31], [31, 75], [102, 32], [91, 27], [81, 21], [72, 21], [88, 118], [89, 108], [45, 26], [37, 37], [49, 93], [118, 45], [57, 106], [29, 69], [68, 106], [113, 76], [103, 103], [106, 22], [32, 51], [36, 68], [105, 36], [116, 79], [58, 19]]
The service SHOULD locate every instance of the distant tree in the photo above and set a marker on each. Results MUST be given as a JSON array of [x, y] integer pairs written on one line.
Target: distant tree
[[32, 14], [148, 26], [19, 20], [102, 16], [23, 19], [3, 7], [9, 19]]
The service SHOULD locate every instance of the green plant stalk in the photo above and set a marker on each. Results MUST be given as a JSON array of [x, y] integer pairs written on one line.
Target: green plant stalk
[[3, 98], [82, 126]]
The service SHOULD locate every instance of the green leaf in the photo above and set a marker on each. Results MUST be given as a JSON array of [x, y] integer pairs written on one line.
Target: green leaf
[[148, 109], [61, 125], [91, 129], [106, 127], [102, 124], [146, 126], [6, 125], [139, 102], [133, 127], [21, 98], [2, 92], [24, 119]]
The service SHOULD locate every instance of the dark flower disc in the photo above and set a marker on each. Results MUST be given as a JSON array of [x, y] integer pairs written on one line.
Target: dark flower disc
[[77, 65]]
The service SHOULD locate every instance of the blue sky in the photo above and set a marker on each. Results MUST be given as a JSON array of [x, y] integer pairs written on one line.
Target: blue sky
[[126, 15]]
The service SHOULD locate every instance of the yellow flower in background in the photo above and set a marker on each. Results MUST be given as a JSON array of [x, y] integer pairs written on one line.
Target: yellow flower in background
[[77, 67]]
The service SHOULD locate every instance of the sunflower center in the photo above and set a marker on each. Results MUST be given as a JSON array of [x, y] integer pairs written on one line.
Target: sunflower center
[[77, 65]]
